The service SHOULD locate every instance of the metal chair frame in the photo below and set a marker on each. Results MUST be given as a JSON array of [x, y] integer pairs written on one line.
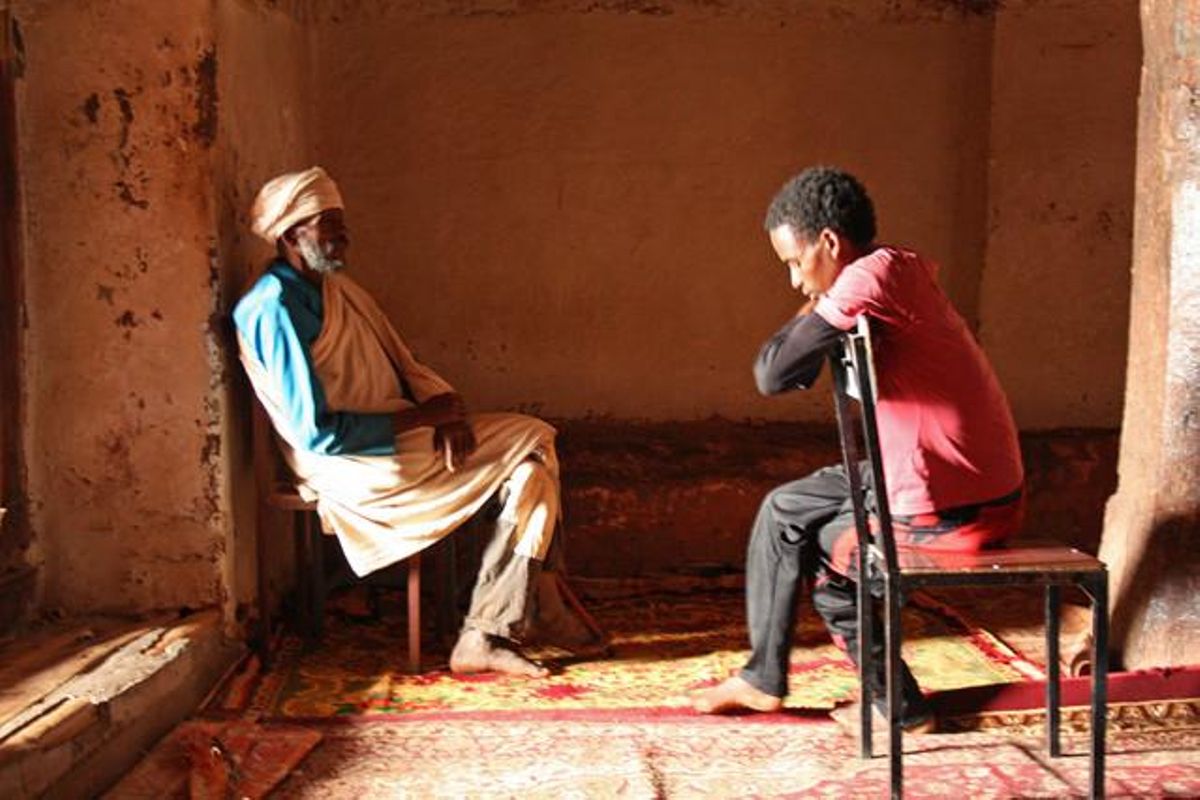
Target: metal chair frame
[[1049, 565]]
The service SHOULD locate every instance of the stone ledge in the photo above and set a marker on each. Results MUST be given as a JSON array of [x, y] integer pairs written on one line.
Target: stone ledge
[[80, 703], [654, 498]]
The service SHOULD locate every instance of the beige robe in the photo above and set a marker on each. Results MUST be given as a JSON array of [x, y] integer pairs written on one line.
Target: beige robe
[[385, 508]]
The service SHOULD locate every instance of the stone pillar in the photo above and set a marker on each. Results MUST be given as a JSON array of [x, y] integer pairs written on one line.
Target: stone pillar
[[1151, 532]]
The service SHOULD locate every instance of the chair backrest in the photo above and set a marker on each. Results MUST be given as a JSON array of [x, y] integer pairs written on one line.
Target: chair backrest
[[854, 384]]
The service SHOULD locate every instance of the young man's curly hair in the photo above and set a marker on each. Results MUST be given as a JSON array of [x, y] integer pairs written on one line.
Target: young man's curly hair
[[824, 197]]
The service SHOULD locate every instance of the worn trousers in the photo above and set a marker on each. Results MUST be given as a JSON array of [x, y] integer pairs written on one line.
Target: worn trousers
[[517, 526], [805, 530]]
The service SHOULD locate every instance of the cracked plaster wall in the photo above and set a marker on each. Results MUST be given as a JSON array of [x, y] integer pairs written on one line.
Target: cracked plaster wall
[[560, 202], [135, 184]]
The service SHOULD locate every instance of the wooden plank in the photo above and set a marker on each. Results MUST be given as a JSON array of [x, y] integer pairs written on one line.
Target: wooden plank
[[67, 720], [1021, 557], [32, 670]]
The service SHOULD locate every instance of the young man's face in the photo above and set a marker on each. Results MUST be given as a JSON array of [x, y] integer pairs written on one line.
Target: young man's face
[[811, 263]]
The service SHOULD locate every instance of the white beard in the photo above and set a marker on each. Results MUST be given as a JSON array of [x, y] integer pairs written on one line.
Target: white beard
[[317, 259]]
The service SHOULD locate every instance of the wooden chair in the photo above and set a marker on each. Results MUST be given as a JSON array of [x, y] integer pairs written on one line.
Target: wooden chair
[[898, 573], [314, 581]]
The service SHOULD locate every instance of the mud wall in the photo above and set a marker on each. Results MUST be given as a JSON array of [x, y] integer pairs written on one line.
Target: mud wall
[[144, 130], [117, 122], [265, 129], [1055, 284], [562, 205]]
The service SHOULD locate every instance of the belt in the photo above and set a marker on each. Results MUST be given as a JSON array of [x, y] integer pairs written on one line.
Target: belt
[[959, 515]]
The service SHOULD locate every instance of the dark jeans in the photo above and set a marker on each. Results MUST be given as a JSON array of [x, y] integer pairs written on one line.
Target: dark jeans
[[800, 527]]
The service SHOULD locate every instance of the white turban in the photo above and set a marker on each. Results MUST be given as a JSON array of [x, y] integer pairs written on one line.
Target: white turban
[[292, 198]]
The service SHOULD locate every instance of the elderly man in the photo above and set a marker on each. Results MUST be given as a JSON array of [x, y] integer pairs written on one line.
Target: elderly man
[[385, 445]]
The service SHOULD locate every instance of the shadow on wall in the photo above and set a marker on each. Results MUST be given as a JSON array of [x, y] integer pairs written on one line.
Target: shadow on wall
[[1166, 578]]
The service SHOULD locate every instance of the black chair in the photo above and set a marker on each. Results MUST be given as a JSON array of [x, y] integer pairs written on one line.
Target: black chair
[[892, 574]]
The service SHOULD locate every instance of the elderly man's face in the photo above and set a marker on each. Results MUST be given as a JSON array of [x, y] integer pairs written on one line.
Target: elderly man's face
[[322, 241]]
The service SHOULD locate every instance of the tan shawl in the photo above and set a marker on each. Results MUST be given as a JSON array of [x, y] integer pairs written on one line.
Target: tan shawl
[[385, 508]]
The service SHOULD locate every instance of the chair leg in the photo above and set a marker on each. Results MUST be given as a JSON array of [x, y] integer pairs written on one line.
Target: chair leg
[[895, 731], [572, 601], [1099, 594], [1053, 604], [413, 593], [319, 580], [447, 581], [866, 669], [304, 586]]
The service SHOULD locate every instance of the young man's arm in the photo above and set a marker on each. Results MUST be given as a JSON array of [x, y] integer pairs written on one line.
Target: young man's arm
[[792, 358]]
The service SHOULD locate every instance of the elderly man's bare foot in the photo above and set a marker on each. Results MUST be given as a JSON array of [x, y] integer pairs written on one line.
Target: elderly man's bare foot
[[475, 651], [734, 694]]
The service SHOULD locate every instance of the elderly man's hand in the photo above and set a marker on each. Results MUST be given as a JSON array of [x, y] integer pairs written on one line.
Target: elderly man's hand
[[436, 412], [443, 409], [456, 440]]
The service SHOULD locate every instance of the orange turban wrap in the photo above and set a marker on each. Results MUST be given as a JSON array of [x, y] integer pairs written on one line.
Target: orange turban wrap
[[292, 198]]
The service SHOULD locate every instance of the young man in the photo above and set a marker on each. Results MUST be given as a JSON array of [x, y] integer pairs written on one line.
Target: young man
[[950, 452]]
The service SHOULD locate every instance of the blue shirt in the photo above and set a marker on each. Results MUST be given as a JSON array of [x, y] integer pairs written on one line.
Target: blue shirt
[[279, 319]]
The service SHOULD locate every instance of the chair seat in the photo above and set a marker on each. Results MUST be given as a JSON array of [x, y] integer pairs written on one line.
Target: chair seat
[[285, 496], [1034, 558]]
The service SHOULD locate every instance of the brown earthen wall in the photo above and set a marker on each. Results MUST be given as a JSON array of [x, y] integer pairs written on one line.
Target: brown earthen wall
[[1055, 307], [655, 498], [561, 206], [117, 114], [265, 129], [559, 202]]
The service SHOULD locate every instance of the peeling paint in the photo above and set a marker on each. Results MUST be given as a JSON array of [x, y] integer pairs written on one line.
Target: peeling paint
[[91, 107], [126, 109], [125, 192], [205, 128], [17, 53]]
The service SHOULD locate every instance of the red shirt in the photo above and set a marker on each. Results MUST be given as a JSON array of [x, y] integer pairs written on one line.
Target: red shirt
[[945, 429]]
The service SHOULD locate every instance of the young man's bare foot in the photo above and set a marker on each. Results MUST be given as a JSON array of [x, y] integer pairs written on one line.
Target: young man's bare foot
[[478, 652], [734, 694]]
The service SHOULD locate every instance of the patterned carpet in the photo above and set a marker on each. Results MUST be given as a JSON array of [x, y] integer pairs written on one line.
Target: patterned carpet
[[663, 647], [344, 722], [713, 758]]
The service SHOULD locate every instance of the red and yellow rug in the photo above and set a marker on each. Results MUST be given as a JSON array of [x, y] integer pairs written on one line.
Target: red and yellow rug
[[621, 727], [664, 646], [713, 758]]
